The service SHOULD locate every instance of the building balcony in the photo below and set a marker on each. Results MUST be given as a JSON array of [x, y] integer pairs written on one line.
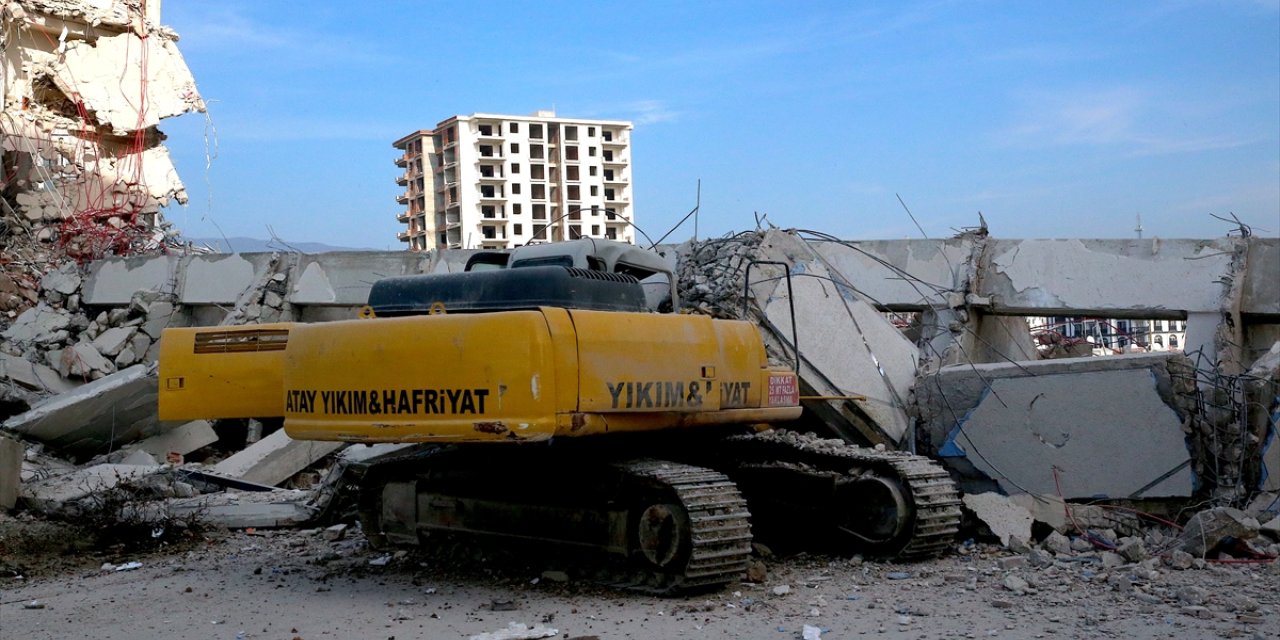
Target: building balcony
[[493, 178], [618, 180], [403, 216], [402, 161], [491, 159], [403, 236], [402, 198], [497, 197], [615, 161], [402, 180], [616, 143]]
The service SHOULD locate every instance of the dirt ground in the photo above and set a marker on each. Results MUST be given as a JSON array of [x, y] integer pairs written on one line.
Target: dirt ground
[[299, 585]]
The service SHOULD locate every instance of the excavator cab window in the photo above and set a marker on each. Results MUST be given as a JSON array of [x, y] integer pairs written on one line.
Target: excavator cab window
[[546, 261], [487, 261]]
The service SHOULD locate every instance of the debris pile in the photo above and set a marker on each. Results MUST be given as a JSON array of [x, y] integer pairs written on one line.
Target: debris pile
[[85, 174]]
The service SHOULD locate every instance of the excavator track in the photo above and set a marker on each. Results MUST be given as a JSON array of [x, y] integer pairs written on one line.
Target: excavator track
[[718, 524], [916, 501], [669, 527]]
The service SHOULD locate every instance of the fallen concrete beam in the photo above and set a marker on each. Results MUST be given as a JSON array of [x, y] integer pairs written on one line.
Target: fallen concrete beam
[[275, 458], [181, 440], [235, 510], [90, 419], [11, 454], [1082, 427]]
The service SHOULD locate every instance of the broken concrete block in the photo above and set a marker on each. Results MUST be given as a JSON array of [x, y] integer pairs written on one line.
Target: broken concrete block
[[159, 316], [11, 454], [82, 360], [1003, 517], [64, 280], [275, 458], [113, 340], [1035, 433], [40, 324], [33, 375], [92, 418], [125, 358], [52, 492], [181, 440], [1207, 528], [1049, 510], [139, 458]]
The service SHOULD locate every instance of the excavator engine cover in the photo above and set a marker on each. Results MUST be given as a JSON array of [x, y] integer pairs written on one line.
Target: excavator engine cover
[[506, 289]]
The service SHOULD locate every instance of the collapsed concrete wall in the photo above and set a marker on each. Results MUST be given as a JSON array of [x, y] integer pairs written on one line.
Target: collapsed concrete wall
[[85, 84]]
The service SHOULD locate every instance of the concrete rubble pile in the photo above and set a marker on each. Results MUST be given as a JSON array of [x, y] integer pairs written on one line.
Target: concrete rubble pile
[[923, 345], [85, 177], [85, 171]]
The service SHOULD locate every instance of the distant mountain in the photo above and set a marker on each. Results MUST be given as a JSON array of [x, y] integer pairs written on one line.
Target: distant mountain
[[254, 245]]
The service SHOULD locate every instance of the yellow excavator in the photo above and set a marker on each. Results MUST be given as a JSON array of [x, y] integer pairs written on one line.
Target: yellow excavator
[[566, 409]]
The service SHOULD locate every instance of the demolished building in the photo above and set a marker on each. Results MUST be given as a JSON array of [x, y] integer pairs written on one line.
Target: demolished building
[[960, 381], [84, 85]]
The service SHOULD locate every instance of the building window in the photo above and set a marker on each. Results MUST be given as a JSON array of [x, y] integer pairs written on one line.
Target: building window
[[539, 192], [515, 147], [486, 151], [574, 194], [572, 173], [515, 189], [570, 133], [591, 132], [539, 212], [536, 172], [535, 131], [608, 175], [486, 130], [515, 167], [595, 229], [591, 151], [487, 191], [518, 228], [608, 136], [514, 127], [487, 211], [608, 194], [489, 232], [575, 232], [591, 171], [535, 151], [1159, 340], [516, 209], [595, 191], [570, 152], [539, 232], [1173, 342]]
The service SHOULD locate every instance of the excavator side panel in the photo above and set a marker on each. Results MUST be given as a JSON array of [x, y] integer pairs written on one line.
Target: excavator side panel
[[441, 378], [223, 372]]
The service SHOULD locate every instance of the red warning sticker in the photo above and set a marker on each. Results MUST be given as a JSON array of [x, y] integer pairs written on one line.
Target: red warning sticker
[[783, 390]]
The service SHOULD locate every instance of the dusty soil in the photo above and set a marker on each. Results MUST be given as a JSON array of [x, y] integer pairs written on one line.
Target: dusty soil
[[297, 584]]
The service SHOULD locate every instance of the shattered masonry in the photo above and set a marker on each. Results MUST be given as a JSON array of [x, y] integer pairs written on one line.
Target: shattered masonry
[[85, 175]]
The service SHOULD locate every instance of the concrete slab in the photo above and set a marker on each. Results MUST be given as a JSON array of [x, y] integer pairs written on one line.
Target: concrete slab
[[275, 458], [237, 510], [105, 413], [344, 278], [181, 440], [221, 278], [11, 454], [52, 491], [849, 348], [113, 281], [1002, 516], [1107, 433], [33, 375]]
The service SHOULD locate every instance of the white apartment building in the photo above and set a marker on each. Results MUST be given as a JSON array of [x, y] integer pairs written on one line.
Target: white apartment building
[[495, 181]]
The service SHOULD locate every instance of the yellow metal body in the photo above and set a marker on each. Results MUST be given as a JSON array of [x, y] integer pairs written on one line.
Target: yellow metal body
[[501, 376]]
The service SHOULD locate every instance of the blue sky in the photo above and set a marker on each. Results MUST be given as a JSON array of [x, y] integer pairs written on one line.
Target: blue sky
[[1053, 119]]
